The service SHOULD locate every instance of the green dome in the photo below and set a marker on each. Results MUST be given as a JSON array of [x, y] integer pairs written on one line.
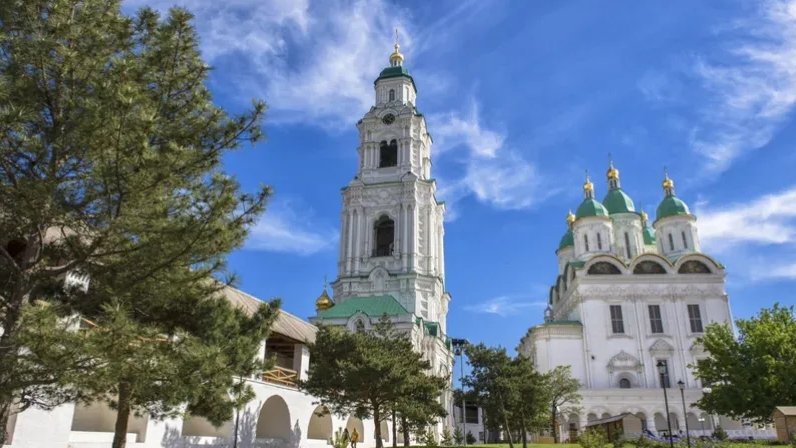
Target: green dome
[[394, 72], [649, 235], [671, 205], [568, 240], [590, 207], [617, 201]]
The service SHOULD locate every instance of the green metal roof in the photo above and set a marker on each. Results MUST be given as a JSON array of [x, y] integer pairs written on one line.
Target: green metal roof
[[671, 205], [590, 207], [649, 235], [373, 306], [432, 328], [394, 72], [617, 201], [568, 240], [577, 264]]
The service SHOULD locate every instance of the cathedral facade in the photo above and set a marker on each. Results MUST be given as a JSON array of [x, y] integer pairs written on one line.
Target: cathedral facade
[[630, 301]]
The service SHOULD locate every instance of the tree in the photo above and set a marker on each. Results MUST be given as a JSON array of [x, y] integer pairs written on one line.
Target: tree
[[367, 373], [110, 169], [752, 373], [491, 380], [562, 394], [418, 405], [530, 408]]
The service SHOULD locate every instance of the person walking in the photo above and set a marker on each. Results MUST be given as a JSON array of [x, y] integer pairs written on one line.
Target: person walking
[[354, 438]]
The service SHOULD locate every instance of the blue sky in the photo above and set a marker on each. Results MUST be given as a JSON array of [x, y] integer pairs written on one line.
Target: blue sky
[[521, 99]]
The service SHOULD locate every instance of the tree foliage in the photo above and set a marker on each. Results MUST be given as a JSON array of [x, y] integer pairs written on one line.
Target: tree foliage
[[749, 375], [110, 167], [366, 374], [562, 394]]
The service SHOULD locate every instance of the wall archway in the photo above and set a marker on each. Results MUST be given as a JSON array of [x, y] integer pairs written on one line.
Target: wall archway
[[274, 419], [385, 431], [320, 426], [660, 423], [355, 423]]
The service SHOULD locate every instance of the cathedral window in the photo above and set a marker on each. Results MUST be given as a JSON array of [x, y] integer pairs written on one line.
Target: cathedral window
[[599, 242], [392, 94], [388, 154], [656, 321], [695, 318], [384, 236], [359, 326], [685, 241], [627, 245], [586, 242], [671, 242], [624, 383], [617, 324]]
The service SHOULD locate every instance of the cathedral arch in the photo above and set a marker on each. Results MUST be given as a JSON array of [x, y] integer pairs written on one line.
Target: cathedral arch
[[320, 426], [648, 267], [693, 267], [274, 420], [359, 322], [383, 236], [690, 264], [663, 264], [388, 153], [603, 268], [392, 94], [355, 423]]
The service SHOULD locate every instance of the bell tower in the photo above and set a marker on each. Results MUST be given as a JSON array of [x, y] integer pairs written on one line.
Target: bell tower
[[391, 234]]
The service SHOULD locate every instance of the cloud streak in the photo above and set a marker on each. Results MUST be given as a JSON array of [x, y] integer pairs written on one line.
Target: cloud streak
[[751, 94], [281, 229], [504, 306]]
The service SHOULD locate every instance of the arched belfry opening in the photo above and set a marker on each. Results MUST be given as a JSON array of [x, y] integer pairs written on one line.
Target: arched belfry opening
[[384, 236], [388, 153]]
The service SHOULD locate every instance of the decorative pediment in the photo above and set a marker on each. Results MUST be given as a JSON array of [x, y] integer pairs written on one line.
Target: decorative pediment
[[661, 347], [624, 361]]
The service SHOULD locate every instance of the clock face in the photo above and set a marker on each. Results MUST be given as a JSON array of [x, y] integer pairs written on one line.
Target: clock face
[[388, 119]]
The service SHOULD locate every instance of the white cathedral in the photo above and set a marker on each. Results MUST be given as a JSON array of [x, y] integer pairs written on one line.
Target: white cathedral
[[625, 312]]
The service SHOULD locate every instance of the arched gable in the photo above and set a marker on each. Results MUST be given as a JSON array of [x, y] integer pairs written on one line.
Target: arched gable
[[688, 264], [641, 264], [601, 265]]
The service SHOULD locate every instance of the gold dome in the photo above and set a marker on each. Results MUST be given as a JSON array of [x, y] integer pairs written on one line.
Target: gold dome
[[612, 173], [396, 58], [570, 218], [324, 302], [667, 184], [588, 186]]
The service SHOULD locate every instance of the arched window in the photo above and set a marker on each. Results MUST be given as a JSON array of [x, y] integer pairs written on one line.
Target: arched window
[[384, 231], [599, 242], [624, 383], [627, 245], [388, 154], [685, 241], [694, 267], [649, 267], [586, 242], [392, 95], [603, 268], [671, 242], [359, 326]]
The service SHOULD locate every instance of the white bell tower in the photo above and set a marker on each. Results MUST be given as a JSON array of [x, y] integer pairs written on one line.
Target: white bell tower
[[391, 238]]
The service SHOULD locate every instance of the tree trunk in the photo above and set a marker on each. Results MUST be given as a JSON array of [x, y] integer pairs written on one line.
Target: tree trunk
[[122, 416], [5, 414], [553, 424], [377, 427], [405, 427], [394, 431], [505, 421], [524, 432]]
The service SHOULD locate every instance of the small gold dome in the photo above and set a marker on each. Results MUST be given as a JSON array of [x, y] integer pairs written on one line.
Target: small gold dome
[[612, 173], [324, 302], [588, 186], [668, 184], [570, 218], [644, 216], [396, 58]]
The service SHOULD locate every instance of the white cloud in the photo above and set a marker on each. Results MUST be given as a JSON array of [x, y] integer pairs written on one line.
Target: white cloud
[[312, 61], [752, 93], [504, 306], [767, 220], [493, 173], [281, 229]]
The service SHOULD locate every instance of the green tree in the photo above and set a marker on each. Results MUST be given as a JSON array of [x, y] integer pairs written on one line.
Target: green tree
[[492, 381], [529, 410], [752, 373], [562, 394], [110, 167], [418, 405], [367, 373]]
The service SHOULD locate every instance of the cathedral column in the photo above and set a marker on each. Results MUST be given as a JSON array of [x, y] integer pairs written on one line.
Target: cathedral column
[[405, 233], [357, 249], [350, 230]]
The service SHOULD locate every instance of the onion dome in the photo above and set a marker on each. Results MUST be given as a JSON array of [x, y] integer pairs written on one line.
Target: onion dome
[[590, 206], [616, 200], [324, 302], [568, 240], [671, 205], [396, 58], [647, 232]]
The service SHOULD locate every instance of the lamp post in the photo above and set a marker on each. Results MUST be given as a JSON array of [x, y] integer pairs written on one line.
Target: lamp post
[[662, 371], [681, 385], [458, 347]]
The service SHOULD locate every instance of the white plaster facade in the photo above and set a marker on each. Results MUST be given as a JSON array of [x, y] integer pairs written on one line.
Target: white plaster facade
[[622, 302]]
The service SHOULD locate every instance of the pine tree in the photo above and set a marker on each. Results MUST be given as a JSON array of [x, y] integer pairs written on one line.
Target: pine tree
[[562, 394], [110, 167], [366, 373]]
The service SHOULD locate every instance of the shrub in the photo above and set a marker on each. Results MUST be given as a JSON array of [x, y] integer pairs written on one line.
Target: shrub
[[720, 434], [458, 436], [592, 438], [470, 438], [447, 439]]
